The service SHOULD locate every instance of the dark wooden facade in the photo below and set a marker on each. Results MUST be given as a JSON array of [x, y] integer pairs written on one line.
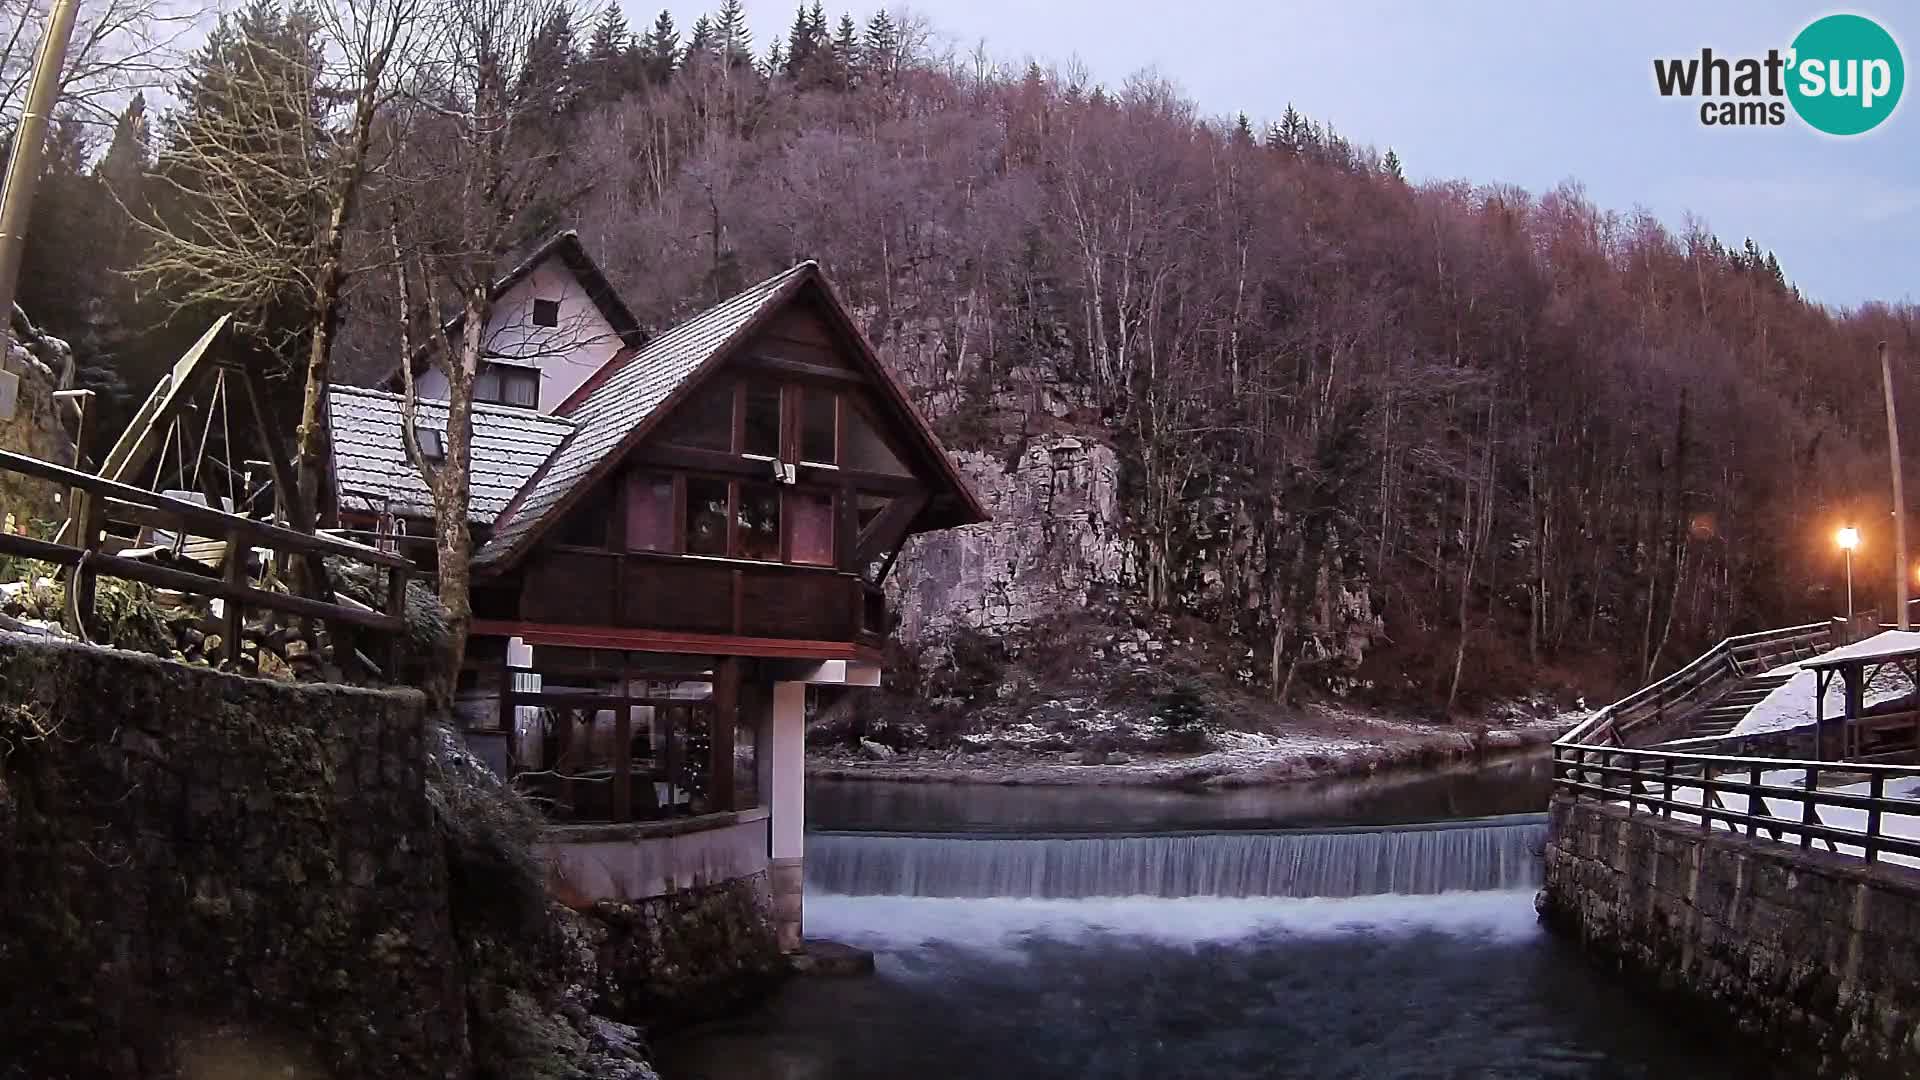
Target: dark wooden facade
[[758, 516]]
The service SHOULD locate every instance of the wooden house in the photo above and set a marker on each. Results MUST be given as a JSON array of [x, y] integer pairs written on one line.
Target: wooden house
[[675, 536]]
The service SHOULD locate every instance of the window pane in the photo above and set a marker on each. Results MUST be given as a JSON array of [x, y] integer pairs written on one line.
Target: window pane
[[486, 385], [817, 427], [649, 513], [704, 422], [866, 451], [760, 522], [763, 421], [746, 765], [520, 388], [546, 313], [810, 528], [706, 516]]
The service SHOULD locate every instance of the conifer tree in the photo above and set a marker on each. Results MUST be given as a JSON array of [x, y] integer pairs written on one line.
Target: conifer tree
[[1390, 165], [806, 42], [731, 37], [701, 43], [846, 53], [608, 53], [1291, 131], [1242, 131], [879, 53], [659, 50], [776, 61]]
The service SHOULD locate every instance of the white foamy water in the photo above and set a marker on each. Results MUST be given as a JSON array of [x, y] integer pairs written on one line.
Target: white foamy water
[[901, 923]]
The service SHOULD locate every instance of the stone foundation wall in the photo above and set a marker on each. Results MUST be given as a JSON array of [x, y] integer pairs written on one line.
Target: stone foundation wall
[[215, 876], [1815, 955], [686, 956]]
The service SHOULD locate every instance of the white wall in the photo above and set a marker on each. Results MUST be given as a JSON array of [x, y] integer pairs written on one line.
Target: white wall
[[567, 354]]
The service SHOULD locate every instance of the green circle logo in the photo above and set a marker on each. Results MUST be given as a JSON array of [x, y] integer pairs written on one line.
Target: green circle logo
[[1846, 74]]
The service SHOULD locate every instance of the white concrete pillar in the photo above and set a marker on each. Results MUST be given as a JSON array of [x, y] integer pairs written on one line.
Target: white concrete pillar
[[788, 805]]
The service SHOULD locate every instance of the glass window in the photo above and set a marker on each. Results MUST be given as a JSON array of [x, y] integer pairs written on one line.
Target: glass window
[[746, 765], [810, 528], [649, 512], [863, 448], [762, 433], [546, 313], [704, 421], [521, 387], [507, 384], [706, 516], [817, 426], [760, 522]]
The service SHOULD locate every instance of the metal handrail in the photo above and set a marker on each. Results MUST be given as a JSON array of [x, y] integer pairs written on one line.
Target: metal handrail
[[1646, 782]]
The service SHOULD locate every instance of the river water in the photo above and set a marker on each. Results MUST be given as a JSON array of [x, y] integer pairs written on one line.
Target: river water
[[1118, 933]]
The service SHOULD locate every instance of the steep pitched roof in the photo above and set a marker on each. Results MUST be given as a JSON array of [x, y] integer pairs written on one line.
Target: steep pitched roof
[[566, 247], [370, 466], [613, 415], [625, 400]]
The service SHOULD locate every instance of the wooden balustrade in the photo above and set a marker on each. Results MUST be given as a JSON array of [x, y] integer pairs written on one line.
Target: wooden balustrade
[[94, 502], [1656, 782]]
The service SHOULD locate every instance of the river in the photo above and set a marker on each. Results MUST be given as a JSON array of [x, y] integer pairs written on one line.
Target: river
[[1376, 928]]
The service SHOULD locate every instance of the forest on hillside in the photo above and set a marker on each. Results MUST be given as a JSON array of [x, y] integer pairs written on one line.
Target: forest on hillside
[[1550, 441]]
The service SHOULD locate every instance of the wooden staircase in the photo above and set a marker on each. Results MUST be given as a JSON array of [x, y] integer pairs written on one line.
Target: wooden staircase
[[1721, 715]]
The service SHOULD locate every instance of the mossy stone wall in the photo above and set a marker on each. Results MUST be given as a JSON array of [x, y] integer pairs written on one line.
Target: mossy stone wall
[[200, 872]]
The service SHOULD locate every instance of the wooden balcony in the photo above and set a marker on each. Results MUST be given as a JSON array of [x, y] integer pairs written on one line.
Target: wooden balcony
[[690, 595]]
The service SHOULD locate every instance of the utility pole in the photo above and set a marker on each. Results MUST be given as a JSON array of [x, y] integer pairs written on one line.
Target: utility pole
[[1900, 568], [29, 143]]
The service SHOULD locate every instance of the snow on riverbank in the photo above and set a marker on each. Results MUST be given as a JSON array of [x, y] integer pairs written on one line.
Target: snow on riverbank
[[1330, 743]]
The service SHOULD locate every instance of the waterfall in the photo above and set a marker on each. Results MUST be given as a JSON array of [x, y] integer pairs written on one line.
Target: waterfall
[[1489, 853]]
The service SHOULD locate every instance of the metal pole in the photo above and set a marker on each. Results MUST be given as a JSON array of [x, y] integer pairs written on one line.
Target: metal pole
[[1849, 590], [1900, 567], [29, 142]]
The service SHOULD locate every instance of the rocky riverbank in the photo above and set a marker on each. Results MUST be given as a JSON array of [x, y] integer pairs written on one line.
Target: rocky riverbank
[[1339, 745]]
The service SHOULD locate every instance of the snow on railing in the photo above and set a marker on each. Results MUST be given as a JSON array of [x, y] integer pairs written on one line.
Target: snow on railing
[[1610, 724], [1870, 814]]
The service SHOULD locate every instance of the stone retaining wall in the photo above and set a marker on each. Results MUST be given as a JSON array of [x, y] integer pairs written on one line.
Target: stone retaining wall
[[1815, 955], [207, 875]]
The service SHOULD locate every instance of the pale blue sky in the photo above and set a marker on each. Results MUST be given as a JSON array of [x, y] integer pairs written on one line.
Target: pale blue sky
[[1530, 93]]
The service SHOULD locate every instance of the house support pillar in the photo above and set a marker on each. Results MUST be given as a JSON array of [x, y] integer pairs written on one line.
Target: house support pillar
[[785, 874]]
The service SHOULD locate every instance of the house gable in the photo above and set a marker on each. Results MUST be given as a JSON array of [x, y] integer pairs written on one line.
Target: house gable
[[793, 313], [556, 316]]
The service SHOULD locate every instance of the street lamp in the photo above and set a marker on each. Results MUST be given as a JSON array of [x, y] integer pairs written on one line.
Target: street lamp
[[1848, 538]]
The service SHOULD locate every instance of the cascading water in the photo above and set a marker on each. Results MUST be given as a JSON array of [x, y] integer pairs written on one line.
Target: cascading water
[[1485, 854]]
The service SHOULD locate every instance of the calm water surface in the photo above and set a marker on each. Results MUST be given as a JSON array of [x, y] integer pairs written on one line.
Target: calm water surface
[[1462, 984]]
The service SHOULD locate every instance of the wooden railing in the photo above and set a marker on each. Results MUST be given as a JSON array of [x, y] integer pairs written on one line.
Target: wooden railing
[[1734, 793], [94, 502], [1733, 658]]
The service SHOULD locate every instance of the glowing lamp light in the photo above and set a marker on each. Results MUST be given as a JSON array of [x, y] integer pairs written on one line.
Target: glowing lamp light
[[1848, 538]]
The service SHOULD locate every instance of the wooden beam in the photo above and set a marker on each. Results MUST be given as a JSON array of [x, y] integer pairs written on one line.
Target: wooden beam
[[657, 457], [619, 637], [800, 369], [888, 531], [723, 717], [185, 581]]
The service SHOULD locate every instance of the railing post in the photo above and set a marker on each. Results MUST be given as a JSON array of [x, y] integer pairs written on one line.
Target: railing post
[[1755, 806], [397, 606], [1876, 790], [233, 627], [1666, 796], [1807, 813]]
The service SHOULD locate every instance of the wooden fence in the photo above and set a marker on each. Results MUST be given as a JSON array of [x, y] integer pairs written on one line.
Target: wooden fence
[[93, 502], [1731, 660], [1734, 792]]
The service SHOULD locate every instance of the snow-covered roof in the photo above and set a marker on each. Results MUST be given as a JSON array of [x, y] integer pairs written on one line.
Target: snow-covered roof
[[1886, 645], [1790, 705], [370, 465]]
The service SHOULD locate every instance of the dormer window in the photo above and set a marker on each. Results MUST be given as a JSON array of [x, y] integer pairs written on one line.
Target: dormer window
[[502, 383], [433, 443], [546, 313]]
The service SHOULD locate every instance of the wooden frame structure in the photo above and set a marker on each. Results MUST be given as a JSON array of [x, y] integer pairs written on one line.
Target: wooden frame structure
[[95, 501]]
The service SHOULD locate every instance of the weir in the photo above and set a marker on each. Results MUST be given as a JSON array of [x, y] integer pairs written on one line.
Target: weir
[[1437, 857]]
